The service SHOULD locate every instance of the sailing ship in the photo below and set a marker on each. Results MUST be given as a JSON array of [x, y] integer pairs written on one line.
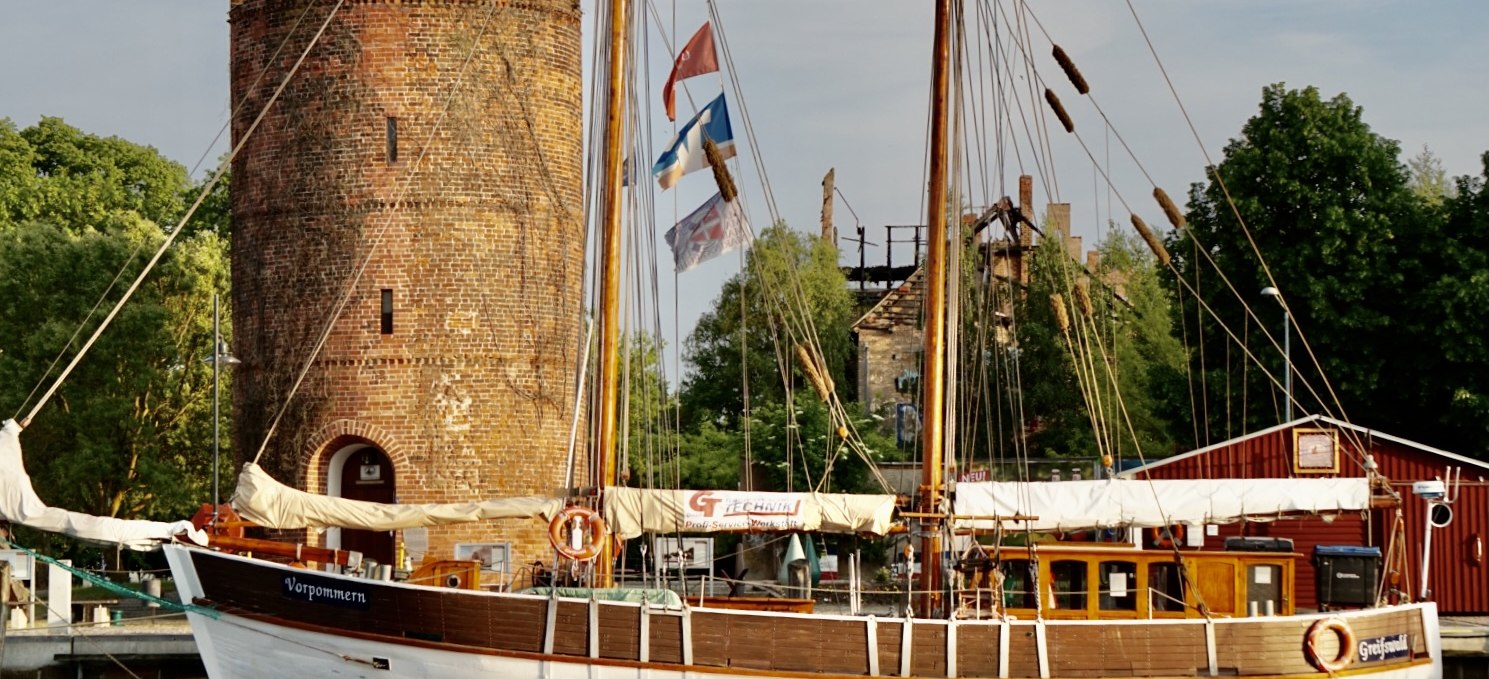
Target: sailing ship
[[1026, 611]]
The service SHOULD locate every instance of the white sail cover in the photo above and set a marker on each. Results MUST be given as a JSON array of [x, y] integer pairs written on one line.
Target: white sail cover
[[1113, 503], [633, 511], [269, 503], [20, 504]]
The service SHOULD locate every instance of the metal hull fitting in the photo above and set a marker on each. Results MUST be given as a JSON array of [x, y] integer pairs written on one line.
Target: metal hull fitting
[[410, 631]]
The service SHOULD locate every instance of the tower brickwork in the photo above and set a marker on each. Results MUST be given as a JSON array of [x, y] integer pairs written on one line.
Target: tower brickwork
[[456, 353]]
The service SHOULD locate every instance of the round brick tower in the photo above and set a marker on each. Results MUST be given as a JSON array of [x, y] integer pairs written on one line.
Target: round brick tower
[[449, 376]]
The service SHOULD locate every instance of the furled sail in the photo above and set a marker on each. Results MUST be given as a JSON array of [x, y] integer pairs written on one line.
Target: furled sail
[[269, 503], [1114, 503], [633, 511], [20, 504]]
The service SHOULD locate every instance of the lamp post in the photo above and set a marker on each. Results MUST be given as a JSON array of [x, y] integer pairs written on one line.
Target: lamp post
[[1287, 352], [219, 357]]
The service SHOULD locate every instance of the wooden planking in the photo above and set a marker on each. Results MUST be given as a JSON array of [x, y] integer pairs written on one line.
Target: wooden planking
[[1138, 649], [571, 634], [1277, 647], [666, 637], [620, 632], [518, 625], [1023, 658], [977, 650], [928, 659], [889, 646], [779, 643]]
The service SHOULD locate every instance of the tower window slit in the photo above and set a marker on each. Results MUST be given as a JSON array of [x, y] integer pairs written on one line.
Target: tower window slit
[[387, 312], [392, 139]]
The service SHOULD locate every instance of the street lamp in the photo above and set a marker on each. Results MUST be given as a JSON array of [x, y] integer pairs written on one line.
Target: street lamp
[[1287, 352], [219, 357]]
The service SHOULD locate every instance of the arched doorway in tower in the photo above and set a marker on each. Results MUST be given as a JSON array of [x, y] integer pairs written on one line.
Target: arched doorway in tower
[[363, 472]]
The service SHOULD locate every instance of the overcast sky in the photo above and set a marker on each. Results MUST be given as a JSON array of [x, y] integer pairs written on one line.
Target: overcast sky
[[842, 83]]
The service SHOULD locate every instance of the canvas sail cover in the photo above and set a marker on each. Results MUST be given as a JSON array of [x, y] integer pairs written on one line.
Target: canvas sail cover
[[20, 504], [633, 511], [1114, 503], [269, 503]]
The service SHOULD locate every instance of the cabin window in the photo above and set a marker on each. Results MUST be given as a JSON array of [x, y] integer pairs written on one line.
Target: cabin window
[[1165, 588], [392, 140], [1118, 580], [1018, 583], [1068, 588], [386, 319]]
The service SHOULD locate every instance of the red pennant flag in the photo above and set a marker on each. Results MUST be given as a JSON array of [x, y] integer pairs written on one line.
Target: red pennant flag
[[697, 58]]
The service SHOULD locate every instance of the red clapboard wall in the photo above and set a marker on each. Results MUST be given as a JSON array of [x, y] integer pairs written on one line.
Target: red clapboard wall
[[1458, 577]]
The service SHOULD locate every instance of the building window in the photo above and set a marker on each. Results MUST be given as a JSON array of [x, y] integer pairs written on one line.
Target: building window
[[1068, 585], [387, 313], [1019, 576], [1118, 581], [1165, 587], [392, 139]]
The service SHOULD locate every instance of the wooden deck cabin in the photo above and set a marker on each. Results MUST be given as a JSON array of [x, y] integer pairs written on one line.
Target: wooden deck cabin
[[1114, 583]]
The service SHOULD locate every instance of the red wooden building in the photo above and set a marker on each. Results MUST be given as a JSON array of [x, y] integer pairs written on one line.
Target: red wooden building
[[1458, 578]]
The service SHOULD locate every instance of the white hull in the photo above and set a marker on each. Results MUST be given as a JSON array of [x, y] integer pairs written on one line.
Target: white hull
[[248, 646]]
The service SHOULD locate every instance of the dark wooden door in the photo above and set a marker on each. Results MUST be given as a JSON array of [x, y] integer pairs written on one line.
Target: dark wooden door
[[368, 475]]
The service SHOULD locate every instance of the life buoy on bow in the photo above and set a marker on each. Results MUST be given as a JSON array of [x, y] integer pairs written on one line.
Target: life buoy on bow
[[1311, 643], [1167, 536], [577, 533]]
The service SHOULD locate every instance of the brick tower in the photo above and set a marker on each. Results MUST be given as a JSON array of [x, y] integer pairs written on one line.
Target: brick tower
[[449, 376]]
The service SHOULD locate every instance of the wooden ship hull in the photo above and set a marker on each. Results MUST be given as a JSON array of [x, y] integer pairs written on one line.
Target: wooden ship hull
[[273, 620]]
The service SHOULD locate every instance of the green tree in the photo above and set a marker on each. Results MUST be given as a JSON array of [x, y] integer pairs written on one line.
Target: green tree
[[1100, 384], [1447, 375], [1428, 178], [73, 179], [791, 291], [1331, 209], [129, 432]]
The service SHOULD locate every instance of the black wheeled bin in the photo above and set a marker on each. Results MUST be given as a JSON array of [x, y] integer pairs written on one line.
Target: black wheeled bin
[[1345, 576]]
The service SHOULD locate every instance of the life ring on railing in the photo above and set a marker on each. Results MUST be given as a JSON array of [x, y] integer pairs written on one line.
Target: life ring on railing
[[577, 533], [1346, 654], [1165, 537]]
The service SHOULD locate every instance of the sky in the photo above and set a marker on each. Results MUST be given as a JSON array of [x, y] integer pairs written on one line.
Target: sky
[[843, 84]]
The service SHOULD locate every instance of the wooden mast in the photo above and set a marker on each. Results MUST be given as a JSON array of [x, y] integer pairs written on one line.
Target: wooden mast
[[608, 379], [932, 374]]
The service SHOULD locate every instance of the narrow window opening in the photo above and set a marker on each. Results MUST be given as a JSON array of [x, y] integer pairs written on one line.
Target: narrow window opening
[[387, 315], [392, 139]]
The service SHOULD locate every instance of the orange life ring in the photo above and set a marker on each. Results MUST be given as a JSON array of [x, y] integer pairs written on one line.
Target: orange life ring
[[1346, 654], [577, 533], [1167, 536]]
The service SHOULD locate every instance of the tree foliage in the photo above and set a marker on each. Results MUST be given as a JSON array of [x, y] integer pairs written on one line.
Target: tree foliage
[[1102, 384], [1367, 270], [789, 292], [129, 432]]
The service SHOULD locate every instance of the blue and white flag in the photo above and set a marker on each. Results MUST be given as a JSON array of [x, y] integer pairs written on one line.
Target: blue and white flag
[[685, 153], [715, 228]]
